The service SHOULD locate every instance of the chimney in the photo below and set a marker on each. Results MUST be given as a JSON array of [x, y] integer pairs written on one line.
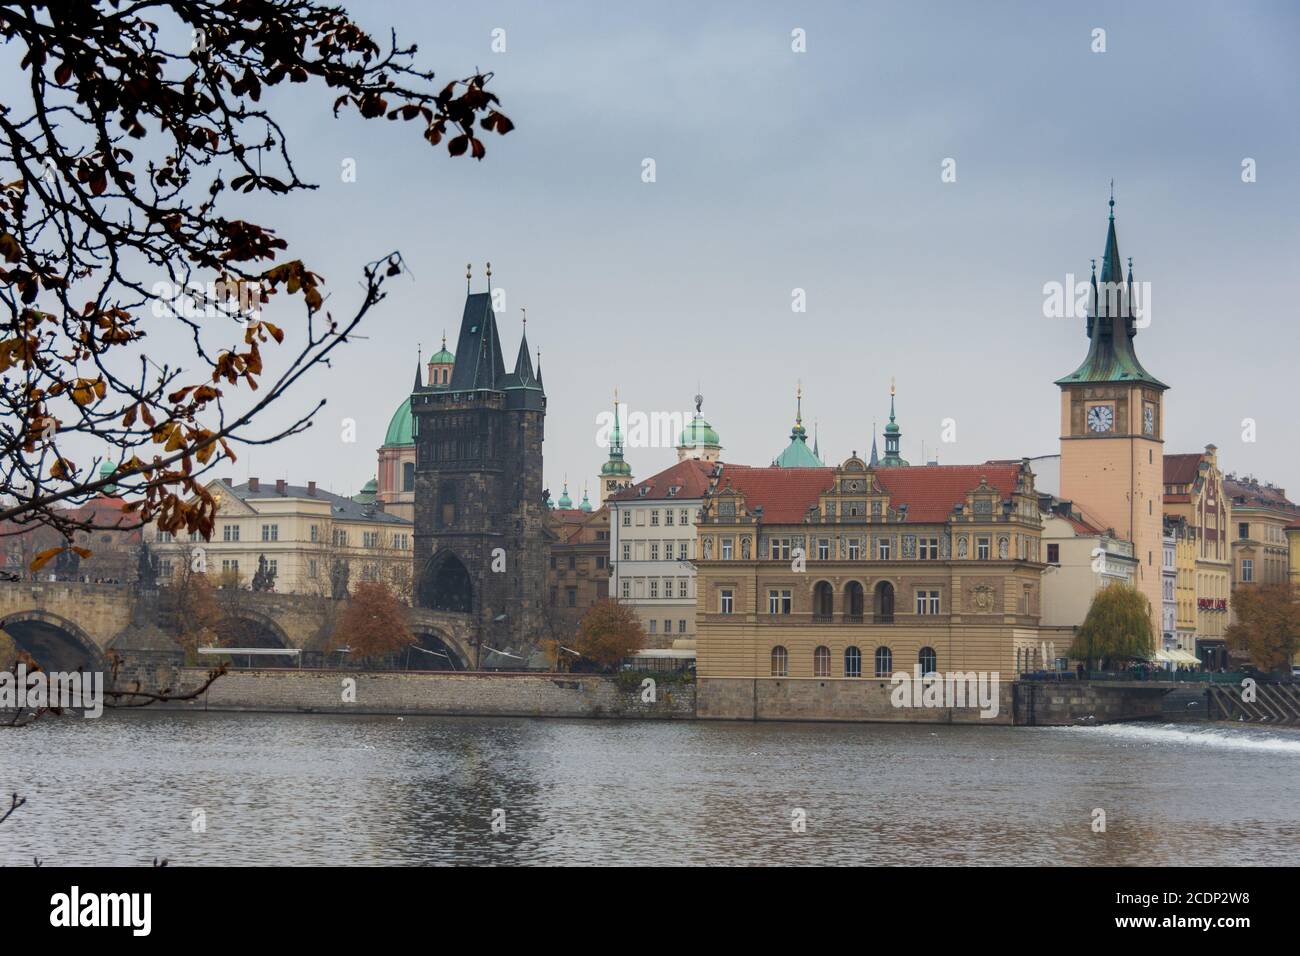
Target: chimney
[[279, 486], [311, 489], [253, 485]]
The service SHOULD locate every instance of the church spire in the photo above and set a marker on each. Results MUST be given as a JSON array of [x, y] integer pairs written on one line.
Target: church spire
[[1111, 324], [893, 435]]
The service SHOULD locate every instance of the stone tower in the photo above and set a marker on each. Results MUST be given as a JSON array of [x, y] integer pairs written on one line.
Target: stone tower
[[480, 512], [1112, 426]]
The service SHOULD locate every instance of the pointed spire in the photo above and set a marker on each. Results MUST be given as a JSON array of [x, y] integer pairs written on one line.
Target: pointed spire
[[875, 458], [523, 362], [539, 365], [816, 450], [419, 379], [469, 271], [616, 437]]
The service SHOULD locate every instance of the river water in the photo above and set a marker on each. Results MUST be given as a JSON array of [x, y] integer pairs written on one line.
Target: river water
[[290, 789]]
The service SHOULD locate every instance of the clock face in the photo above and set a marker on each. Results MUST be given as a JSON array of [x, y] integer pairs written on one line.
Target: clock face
[[1101, 418], [1149, 419]]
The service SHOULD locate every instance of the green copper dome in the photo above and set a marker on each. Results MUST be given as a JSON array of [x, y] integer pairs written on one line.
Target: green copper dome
[[585, 505], [367, 493], [399, 426], [442, 357], [106, 470], [698, 432], [797, 454], [565, 501]]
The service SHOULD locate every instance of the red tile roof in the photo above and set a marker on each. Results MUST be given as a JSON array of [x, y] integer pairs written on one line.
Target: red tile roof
[[690, 477], [1244, 491], [929, 491], [1182, 469]]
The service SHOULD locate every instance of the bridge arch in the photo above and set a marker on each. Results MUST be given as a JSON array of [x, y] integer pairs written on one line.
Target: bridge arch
[[435, 650], [245, 627], [53, 641], [446, 584]]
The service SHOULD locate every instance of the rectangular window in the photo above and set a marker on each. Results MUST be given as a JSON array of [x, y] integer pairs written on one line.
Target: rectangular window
[[855, 549], [684, 517], [682, 587], [270, 532], [654, 587], [1053, 554], [600, 562], [681, 626], [573, 562], [982, 546], [728, 547], [571, 597], [823, 549], [654, 550], [929, 549], [681, 551], [779, 602], [728, 601], [627, 589], [1243, 529], [1247, 569], [927, 602], [653, 625], [627, 552], [654, 517], [315, 533], [627, 519], [780, 549], [311, 568], [230, 532], [668, 625], [882, 549], [668, 516]]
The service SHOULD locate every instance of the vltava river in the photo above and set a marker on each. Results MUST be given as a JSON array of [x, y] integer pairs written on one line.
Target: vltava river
[[378, 790]]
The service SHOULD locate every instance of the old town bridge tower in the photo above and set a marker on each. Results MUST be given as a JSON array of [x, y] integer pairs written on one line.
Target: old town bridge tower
[[479, 504]]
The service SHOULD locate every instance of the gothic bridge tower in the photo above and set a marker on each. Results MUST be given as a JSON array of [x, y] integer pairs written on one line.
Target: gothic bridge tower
[[479, 509]]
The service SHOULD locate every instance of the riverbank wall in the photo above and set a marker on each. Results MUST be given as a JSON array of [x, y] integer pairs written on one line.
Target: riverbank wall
[[437, 693], [442, 693]]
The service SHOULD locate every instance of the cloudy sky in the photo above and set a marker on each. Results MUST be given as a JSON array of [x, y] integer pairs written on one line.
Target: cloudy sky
[[777, 170]]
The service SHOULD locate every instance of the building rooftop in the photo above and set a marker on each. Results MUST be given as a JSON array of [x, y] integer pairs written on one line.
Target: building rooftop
[[929, 491], [341, 509], [689, 478]]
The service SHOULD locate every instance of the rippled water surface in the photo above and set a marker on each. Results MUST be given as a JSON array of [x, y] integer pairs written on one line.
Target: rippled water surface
[[290, 789]]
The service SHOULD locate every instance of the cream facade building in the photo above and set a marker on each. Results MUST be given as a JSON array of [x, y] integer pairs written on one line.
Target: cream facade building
[[311, 539], [1079, 561], [652, 547]]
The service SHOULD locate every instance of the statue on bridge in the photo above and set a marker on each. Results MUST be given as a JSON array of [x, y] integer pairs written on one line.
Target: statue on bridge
[[264, 576], [339, 574]]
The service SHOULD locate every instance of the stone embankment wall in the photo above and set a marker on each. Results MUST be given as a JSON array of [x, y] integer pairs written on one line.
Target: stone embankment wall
[[1021, 703], [434, 693]]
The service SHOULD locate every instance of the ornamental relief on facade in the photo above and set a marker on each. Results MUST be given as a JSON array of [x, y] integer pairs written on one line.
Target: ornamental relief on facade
[[982, 599], [909, 546]]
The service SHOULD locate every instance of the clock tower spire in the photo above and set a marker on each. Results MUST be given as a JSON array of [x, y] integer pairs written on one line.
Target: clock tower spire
[[1112, 424]]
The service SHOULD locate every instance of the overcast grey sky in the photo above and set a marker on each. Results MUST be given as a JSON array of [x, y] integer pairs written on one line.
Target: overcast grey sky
[[778, 170]]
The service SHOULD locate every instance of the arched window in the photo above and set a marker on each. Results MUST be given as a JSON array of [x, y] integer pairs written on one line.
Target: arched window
[[780, 661], [823, 601], [884, 662], [853, 601], [822, 662], [883, 603], [852, 662], [408, 476], [928, 660]]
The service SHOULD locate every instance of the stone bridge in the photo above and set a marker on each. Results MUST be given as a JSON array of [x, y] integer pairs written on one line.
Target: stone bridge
[[67, 625]]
